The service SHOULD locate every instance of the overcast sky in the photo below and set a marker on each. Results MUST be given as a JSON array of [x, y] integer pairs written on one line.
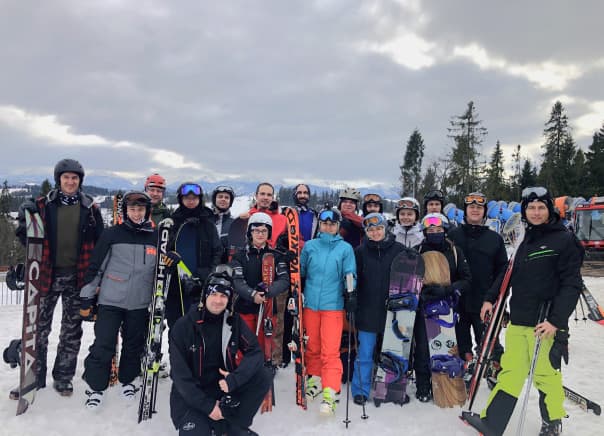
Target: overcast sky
[[325, 90]]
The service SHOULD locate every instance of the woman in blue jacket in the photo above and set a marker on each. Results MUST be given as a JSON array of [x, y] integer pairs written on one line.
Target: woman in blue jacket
[[325, 262]]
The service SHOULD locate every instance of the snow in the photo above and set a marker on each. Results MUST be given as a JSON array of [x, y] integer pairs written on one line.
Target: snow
[[54, 415]]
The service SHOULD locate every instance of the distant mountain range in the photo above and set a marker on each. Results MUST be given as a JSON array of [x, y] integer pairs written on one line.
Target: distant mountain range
[[241, 187]]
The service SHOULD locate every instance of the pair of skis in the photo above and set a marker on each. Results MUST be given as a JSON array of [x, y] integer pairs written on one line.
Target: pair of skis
[[266, 320]]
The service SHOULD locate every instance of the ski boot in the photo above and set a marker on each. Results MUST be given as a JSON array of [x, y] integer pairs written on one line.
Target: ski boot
[[359, 399], [423, 394], [313, 387], [551, 428], [328, 404], [63, 387]]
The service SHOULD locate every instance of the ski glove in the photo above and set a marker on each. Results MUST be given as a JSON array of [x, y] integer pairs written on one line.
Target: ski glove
[[261, 288], [559, 349], [350, 302], [435, 292], [190, 285], [88, 309], [171, 259]]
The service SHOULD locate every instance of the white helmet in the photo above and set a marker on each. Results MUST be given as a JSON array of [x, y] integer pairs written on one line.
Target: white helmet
[[259, 219]]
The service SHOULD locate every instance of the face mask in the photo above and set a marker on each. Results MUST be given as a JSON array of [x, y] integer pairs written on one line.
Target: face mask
[[435, 239]]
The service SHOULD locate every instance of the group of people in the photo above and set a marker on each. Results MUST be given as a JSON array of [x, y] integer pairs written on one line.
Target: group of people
[[216, 360]]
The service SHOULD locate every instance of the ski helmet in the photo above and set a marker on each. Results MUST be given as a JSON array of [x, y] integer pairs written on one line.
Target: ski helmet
[[407, 203], [136, 198], [434, 195], [435, 220], [221, 280], [349, 194], [372, 199], [226, 189], [475, 198], [374, 219], [68, 166], [330, 214], [155, 181], [259, 219], [189, 188], [536, 193]]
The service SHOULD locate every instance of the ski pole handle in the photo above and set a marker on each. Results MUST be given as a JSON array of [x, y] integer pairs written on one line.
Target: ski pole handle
[[349, 283]]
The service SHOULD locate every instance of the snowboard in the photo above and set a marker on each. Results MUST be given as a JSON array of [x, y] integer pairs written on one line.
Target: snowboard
[[117, 219], [266, 324], [151, 359], [295, 305], [448, 387], [237, 236], [28, 380], [391, 372]]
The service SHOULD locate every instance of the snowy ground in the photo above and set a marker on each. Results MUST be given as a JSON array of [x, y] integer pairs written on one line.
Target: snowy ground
[[54, 415]]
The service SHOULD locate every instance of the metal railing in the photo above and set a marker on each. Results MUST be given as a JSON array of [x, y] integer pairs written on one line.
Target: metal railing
[[8, 297]]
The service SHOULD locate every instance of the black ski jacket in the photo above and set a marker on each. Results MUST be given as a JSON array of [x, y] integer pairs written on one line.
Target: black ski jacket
[[199, 344], [461, 277], [373, 259], [485, 252], [547, 266]]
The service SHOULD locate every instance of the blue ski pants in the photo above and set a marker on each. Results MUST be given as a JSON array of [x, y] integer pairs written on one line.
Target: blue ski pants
[[363, 365]]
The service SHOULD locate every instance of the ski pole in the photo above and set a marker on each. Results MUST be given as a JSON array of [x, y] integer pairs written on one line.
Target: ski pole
[[356, 347], [349, 290], [542, 315]]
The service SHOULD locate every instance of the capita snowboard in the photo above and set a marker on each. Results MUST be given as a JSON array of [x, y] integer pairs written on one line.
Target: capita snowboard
[[266, 322], [28, 380], [448, 387], [295, 305], [237, 235], [151, 359], [391, 372]]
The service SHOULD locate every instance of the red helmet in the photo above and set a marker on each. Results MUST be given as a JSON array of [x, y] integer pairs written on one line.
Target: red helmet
[[155, 181]]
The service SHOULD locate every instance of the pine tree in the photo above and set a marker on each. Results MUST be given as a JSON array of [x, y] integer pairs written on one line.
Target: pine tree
[[559, 153], [515, 186], [595, 165], [45, 188], [578, 171], [528, 176], [429, 182], [5, 199], [495, 185], [467, 133], [412, 165]]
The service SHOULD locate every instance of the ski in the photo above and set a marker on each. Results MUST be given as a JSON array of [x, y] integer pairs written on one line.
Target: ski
[[596, 313], [295, 305], [490, 334], [266, 320], [151, 359], [28, 380]]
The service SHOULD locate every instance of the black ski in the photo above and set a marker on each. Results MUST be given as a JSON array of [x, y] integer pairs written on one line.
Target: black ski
[[151, 360]]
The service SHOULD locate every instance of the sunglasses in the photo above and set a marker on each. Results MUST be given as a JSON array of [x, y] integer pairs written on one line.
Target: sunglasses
[[432, 221], [329, 215], [479, 199], [190, 188], [533, 191]]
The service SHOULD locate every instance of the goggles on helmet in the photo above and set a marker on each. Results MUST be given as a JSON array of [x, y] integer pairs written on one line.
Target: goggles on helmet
[[373, 220], [372, 198], [433, 221], [435, 194], [224, 188], [477, 198], [329, 215], [533, 192], [405, 204], [190, 188]]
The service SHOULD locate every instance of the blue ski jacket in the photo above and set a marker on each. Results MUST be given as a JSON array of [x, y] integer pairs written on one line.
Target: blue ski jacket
[[324, 263]]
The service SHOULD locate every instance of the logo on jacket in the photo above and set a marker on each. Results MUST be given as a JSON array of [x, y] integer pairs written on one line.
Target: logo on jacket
[[543, 247], [193, 348], [188, 426]]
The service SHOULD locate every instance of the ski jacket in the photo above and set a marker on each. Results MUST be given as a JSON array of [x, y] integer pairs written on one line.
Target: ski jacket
[[159, 212], [547, 266], [324, 263], [247, 273], [279, 223], [195, 341], [485, 252], [123, 267], [351, 229], [373, 261], [90, 229], [408, 236], [308, 223], [461, 277], [223, 223]]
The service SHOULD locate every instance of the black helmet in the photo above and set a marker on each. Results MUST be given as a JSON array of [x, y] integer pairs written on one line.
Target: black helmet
[[372, 198], [475, 198], [136, 198], [434, 195], [219, 189], [68, 166], [189, 188]]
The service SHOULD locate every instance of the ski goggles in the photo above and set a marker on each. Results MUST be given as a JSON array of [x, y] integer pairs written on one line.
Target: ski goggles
[[224, 188], [438, 194], [405, 204], [476, 198], [433, 221], [533, 192], [329, 215], [373, 220], [372, 198], [190, 188]]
